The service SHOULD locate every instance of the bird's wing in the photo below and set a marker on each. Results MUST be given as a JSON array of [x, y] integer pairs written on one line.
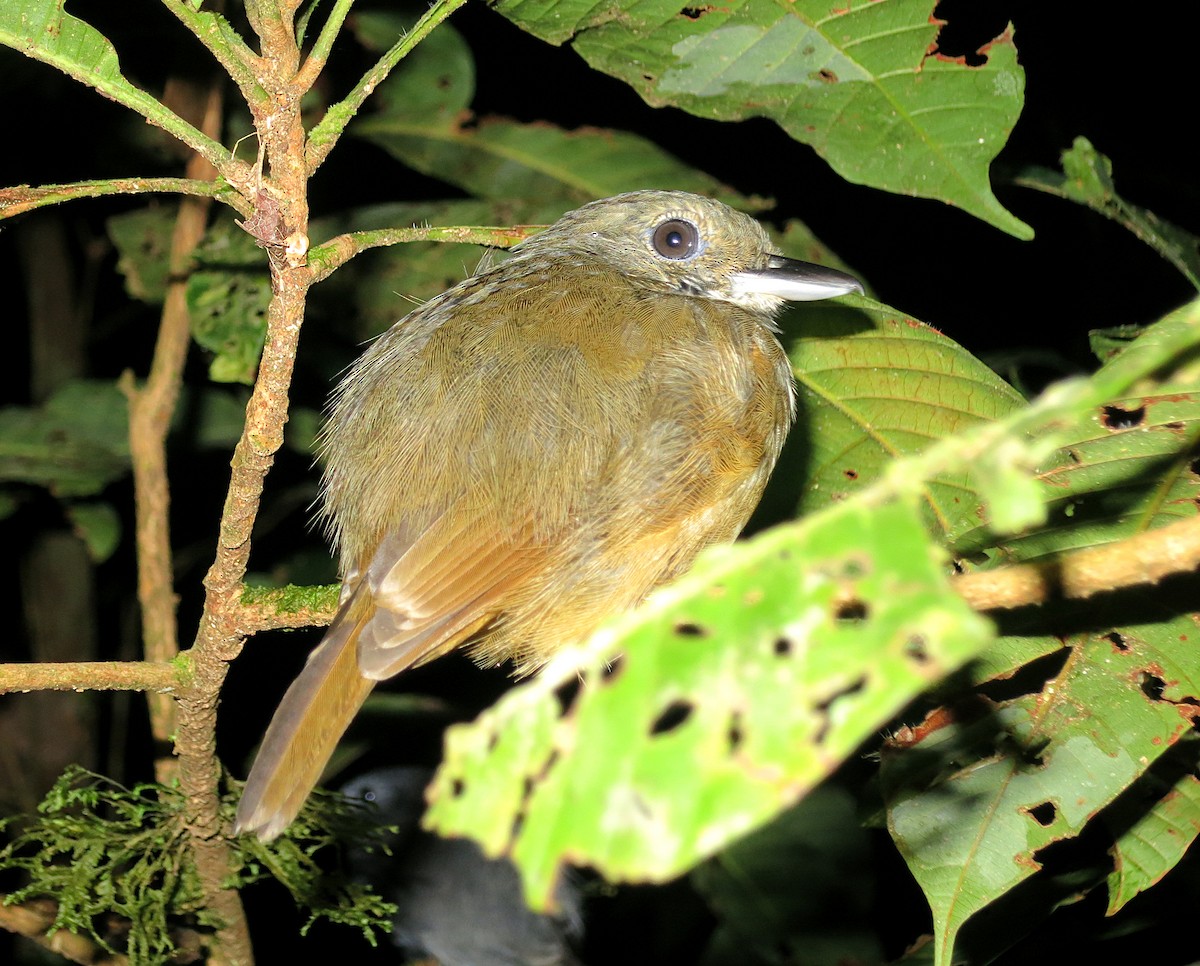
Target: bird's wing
[[433, 590], [419, 597]]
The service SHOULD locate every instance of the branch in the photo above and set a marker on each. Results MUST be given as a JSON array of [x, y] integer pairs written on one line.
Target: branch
[[333, 254], [160, 676], [35, 921], [22, 198], [287, 608], [150, 411], [325, 135], [280, 223], [1143, 559]]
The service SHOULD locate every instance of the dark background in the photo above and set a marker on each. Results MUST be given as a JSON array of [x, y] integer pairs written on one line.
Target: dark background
[[1126, 85]]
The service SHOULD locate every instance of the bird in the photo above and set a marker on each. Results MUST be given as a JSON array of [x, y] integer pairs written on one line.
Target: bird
[[536, 449], [432, 880]]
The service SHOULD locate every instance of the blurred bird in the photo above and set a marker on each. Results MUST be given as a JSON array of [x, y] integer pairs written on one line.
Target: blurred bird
[[539, 447], [452, 902]]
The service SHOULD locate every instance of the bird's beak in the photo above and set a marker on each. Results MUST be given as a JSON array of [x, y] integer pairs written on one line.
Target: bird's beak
[[795, 281]]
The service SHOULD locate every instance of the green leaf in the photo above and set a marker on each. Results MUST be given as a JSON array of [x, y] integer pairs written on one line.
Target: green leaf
[[1107, 344], [435, 82], [74, 445], [875, 385], [227, 294], [970, 805], [422, 119], [862, 83], [796, 891], [227, 299], [1122, 468], [1087, 179], [100, 527], [1155, 841], [143, 241], [504, 160], [229, 318], [737, 690]]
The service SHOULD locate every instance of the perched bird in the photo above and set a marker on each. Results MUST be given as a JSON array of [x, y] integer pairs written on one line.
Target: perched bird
[[539, 447], [452, 902]]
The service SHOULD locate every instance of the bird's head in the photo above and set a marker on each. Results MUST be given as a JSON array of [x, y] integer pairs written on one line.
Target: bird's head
[[690, 245]]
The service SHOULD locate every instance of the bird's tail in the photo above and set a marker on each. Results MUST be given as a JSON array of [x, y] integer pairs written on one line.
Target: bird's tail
[[314, 714]]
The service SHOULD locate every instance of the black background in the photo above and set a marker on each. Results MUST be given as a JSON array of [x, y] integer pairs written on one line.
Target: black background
[[1125, 84]]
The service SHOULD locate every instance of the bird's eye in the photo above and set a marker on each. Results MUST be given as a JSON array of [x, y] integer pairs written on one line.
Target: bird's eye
[[676, 239]]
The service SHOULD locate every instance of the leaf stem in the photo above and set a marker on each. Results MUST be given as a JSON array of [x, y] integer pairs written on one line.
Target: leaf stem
[[225, 44], [315, 62], [326, 258], [22, 198], [325, 135]]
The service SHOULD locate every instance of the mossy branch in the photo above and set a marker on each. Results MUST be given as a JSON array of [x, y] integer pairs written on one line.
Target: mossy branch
[[155, 676]]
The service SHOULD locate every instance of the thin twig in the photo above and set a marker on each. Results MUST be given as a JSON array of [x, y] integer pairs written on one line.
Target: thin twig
[[224, 43], [22, 198], [314, 63], [325, 258]]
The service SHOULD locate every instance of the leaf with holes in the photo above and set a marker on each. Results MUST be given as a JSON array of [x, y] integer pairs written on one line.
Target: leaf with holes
[[1123, 468], [75, 444], [875, 385], [692, 720], [229, 318], [1151, 842], [143, 240], [862, 83], [971, 805]]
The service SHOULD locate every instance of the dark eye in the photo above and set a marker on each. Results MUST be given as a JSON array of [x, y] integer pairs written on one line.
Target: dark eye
[[676, 238]]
